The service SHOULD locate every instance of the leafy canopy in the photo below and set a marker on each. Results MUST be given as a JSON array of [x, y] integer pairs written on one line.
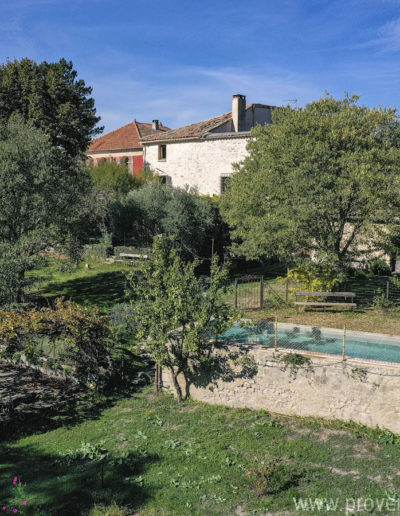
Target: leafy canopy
[[114, 178], [40, 201], [321, 179], [51, 97], [175, 313], [155, 209]]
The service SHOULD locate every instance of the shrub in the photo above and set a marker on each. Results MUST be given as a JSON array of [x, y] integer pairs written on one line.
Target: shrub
[[315, 277], [379, 267], [272, 476], [101, 251]]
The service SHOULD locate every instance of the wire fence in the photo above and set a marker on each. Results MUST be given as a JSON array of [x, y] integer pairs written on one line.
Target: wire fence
[[252, 292], [317, 340]]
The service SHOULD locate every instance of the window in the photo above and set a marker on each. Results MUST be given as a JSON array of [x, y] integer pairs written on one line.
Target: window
[[162, 152], [224, 183], [164, 180]]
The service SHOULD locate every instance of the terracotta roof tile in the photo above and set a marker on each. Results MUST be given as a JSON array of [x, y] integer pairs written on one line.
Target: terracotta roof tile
[[126, 137], [192, 130]]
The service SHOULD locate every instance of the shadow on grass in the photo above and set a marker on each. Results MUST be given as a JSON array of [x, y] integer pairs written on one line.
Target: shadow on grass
[[34, 403], [56, 487], [104, 289]]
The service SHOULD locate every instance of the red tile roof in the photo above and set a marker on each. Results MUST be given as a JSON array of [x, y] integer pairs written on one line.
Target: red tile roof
[[126, 137], [192, 130]]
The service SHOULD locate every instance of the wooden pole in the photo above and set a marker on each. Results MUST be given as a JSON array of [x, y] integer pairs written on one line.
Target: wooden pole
[[287, 291], [236, 293], [344, 344], [387, 290], [276, 332], [261, 293], [156, 378]]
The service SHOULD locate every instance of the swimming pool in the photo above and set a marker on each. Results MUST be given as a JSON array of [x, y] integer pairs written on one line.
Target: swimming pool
[[371, 346]]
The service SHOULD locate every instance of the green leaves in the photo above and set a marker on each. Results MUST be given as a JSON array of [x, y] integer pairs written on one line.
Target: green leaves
[[50, 96], [320, 179], [175, 316]]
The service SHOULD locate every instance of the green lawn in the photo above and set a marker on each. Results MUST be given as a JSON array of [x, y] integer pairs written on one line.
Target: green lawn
[[194, 459], [102, 285]]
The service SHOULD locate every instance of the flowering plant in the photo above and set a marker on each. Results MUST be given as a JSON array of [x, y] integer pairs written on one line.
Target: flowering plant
[[15, 508]]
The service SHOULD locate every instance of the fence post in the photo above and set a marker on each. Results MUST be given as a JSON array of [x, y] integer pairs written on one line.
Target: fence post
[[387, 290], [344, 344], [261, 293], [156, 379], [287, 291], [276, 332], [236, 293]]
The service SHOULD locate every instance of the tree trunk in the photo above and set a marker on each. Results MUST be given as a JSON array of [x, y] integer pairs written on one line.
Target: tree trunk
[[177, 387]]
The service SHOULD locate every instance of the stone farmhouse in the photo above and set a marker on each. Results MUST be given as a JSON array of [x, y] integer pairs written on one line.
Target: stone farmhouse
[[123, 145], [201, 155]]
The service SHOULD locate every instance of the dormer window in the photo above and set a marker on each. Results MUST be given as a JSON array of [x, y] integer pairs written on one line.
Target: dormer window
[[162, 152]]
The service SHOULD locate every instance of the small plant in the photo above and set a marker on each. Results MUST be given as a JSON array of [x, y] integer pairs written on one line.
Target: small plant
[[380, 301], [272, 476], [20, 503], [294, 362]]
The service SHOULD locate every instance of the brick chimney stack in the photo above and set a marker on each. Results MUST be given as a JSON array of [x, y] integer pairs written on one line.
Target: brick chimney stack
[[239, 112]]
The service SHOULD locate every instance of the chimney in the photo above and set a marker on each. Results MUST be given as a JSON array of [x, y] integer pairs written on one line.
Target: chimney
[[239, 112], [155, 125]]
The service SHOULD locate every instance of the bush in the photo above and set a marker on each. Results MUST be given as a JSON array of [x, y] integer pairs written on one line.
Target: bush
[[272, 476], [131, 250], [315, 277], [81, 336], [379, 267], [101, 251]]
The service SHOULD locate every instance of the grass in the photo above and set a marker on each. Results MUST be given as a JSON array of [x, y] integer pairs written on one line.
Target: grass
[[194, 458], [103, 284], [369, 319]]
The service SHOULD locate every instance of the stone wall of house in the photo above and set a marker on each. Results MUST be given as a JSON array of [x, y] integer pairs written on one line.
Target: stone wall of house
[[198, 163], [362, 391]]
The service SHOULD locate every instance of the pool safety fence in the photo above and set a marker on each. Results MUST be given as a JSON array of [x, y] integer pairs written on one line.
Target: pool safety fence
[[317, 340], [253, 292]]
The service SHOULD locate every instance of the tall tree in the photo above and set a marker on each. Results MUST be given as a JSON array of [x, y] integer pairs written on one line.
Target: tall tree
[[40, 201], [324, 179], [51, 97]]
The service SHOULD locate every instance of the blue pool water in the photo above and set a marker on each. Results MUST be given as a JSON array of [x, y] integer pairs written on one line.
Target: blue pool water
[[324, 340]]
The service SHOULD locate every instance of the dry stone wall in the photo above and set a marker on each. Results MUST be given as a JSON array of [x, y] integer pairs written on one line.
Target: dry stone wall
[[362, 391]]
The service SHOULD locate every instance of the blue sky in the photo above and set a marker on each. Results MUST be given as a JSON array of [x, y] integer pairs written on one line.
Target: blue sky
[[181, 60]]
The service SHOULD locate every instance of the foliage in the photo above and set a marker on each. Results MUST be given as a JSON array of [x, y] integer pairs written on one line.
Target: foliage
[[161, 209], [40, 202], [53, 99], [99, 250], [323, 179], [315, 277], [19, 503], [174, 314], [114, 178], [80, 335], [271, 476], [295, 361], [379, 267]]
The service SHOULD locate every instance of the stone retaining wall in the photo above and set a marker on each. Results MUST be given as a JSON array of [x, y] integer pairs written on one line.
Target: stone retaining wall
[[366, 392]]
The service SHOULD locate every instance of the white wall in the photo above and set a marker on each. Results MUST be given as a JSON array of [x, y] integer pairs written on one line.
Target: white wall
[[198, 163]]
